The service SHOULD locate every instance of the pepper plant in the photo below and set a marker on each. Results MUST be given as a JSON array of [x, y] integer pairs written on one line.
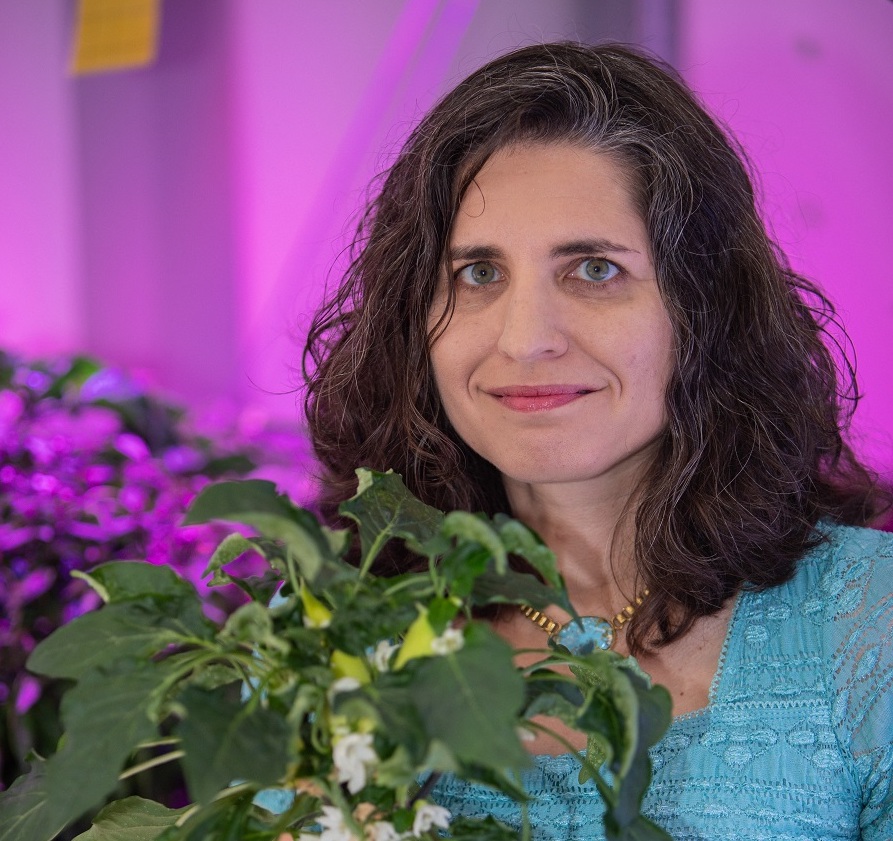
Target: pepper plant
[[327, 703]]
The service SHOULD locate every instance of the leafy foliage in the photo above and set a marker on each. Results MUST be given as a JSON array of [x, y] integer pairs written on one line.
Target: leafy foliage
[[339, 694], [94, 468]]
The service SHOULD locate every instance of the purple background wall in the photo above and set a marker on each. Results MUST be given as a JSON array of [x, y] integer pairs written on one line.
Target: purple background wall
[[181, 219]]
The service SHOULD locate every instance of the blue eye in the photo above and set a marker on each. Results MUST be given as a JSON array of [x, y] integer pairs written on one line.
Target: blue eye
[[478, 274], [597, 269]]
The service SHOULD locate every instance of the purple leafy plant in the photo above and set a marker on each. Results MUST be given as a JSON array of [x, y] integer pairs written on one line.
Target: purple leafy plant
[[94, 469]]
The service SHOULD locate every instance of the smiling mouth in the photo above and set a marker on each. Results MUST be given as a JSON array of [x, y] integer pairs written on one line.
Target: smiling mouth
[[539, 398]]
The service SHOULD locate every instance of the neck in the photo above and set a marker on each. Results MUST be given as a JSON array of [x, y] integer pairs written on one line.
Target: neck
[[591, 535]]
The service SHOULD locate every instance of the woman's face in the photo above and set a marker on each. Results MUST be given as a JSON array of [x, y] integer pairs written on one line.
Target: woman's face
[[555, 362]]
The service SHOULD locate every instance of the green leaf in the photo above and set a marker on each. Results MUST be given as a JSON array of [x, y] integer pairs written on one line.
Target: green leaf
[[462, 566], [213, 675], [231, 547], [256, 503], [129, 630], [232, 500], [522, 541], [122, 581], [469, 568], [609, 683], [368, 618], [25, 813], [441, 613], [549, 693], [605, 730], [225, 740], [105, 717], [229, 818], [260, 589], [131, 819], [303, 809], [655, 704], [653, 720], [513, 587], [384, 509], [632, 716], [474, 527], [470, 700], [393, 705], [252, 623]]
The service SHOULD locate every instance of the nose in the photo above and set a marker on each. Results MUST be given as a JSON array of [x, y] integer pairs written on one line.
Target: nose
[[533, 322]]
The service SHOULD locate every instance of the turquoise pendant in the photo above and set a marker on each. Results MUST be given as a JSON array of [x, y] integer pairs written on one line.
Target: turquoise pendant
[[594, 633]]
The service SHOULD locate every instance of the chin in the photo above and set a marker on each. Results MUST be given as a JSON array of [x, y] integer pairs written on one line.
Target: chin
[[533, 471], [619, 476]]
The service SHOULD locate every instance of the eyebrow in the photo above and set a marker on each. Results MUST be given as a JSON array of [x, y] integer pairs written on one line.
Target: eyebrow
[[565, 249]]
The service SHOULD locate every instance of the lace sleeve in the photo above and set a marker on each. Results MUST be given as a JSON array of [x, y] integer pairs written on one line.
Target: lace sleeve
[[859, 616]]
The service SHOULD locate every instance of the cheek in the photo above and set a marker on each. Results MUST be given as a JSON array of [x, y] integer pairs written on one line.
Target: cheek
[[654, 364], [652, 360], [455, 357], [443, 363], [454, 348], [662, 365], [439, 330], [448, 367]]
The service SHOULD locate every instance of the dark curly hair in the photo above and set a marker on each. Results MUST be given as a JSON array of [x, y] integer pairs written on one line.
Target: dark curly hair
[[753, 454]]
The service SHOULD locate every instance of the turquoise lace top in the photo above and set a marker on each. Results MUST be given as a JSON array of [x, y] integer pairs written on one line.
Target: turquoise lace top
[[795, 742]]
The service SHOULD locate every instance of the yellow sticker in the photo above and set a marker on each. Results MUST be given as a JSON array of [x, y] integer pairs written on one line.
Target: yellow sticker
[[116, 34]]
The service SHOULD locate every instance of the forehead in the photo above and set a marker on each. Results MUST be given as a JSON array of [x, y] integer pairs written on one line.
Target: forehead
[[555, 188]]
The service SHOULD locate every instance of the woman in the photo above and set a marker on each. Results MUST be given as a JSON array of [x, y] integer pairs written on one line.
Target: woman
[[564, 305]]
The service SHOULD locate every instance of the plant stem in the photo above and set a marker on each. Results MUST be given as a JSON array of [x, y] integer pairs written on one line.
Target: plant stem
[[151, 763], [406, 584], [368, 560], [158, 743]]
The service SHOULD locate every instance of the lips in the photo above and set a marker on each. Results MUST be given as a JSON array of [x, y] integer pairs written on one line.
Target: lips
[[538, 398]]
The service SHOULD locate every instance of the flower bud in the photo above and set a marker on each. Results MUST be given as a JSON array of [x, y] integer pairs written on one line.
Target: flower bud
[[417, 642], [346, 665], [316, 614]]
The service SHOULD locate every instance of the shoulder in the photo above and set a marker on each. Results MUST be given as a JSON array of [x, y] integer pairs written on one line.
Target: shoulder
[[809, 663], [832, 625], [847, 571], [845, 580], [854, 543], [850, 599], [830, 618], [844, 586]]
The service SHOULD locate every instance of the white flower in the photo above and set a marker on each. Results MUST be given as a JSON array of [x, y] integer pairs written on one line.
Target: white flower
[[450, 641], [525, 734], [343, 684], [382, 831], [427, 816], [352, 755], [382, 655], [333, 826]]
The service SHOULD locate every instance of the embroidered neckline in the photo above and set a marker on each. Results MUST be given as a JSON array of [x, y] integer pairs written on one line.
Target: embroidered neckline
[[713, 691]]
